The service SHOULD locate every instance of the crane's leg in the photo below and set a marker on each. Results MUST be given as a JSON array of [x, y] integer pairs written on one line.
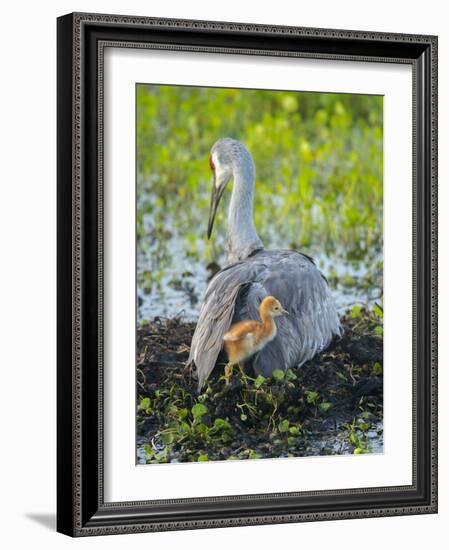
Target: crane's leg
[[242, 369], [228, 372]]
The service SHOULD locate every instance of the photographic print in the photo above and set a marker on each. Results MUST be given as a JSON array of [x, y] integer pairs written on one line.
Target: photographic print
[[259, 307]]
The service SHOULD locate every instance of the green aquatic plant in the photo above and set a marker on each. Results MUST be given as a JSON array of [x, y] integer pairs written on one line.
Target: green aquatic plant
[[357, 436]]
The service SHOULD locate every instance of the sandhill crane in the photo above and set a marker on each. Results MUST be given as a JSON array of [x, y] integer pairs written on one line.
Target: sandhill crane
[[253, 273]]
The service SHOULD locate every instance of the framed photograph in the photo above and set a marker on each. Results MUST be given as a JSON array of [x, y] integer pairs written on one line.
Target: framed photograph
[[247, 274]]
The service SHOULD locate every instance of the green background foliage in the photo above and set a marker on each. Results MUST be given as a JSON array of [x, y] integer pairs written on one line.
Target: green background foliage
[[319, 189]]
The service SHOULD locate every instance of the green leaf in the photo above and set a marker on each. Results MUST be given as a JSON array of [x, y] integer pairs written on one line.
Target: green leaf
[[253, 454], [311, 397], [358, 451], [259, 381], [203, 458], [226, 437], [377, 369], [198, 411], [174, 425], [278, 375], [379, 330], [221, 424], [183, 428], [378, 311], [168, 437], [325, 406], [356, 312], [148, 451], [144, 404], [243, 417], [284, 425], [290, 376]]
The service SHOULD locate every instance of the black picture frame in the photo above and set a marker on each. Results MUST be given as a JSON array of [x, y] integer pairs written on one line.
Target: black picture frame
[[81, 509]]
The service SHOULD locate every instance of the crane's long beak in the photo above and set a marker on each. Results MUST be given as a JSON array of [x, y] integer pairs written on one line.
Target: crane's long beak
[[217, 193]]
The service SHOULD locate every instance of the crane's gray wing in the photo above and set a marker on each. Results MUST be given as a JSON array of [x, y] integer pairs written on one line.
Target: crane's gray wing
[[312, 322], [216, 315]]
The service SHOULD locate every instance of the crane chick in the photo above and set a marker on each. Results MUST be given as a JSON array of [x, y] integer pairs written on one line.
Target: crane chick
[[246, 338]]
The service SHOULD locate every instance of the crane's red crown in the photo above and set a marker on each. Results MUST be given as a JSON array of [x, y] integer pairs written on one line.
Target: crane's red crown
[[211, 164]]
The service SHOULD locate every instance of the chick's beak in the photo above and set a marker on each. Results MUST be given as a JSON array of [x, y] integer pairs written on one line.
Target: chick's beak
[[284, 311]]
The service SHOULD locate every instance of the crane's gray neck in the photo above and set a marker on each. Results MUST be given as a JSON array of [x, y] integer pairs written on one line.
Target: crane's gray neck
[[243, 239]]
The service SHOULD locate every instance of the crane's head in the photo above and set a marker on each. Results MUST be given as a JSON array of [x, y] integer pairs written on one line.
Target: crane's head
[[225, 157], [220, 163]]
